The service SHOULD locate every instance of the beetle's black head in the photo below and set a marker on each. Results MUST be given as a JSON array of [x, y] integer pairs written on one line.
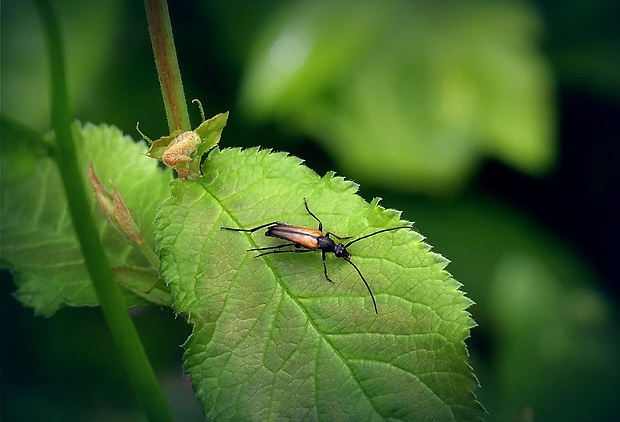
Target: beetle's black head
[[341, 251]]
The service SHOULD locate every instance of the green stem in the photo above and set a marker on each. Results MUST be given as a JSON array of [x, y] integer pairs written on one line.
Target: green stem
[[149, 254], [109, 294], [167, 65]]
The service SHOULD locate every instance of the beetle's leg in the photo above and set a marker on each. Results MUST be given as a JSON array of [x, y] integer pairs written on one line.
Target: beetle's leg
[[266, 248], [325, 267], [313, 216], [328, 234], [252, 230], [280, 251]]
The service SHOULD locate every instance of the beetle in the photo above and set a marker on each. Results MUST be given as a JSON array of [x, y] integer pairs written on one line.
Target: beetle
[[305, 239]]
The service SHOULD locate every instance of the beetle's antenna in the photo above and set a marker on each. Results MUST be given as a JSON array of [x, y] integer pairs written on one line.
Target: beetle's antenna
[[377, 232], [252, 230], [374, 302]]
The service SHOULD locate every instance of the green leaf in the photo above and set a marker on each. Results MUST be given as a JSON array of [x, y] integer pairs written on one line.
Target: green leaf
[[210, 132], [38, 241], [183, 151], [427, 90], [273, 339]]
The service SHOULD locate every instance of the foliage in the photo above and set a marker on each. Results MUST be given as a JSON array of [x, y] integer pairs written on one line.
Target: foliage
[[379, 78], [35, 222], [266, 324], [268, 330], [439, 86]]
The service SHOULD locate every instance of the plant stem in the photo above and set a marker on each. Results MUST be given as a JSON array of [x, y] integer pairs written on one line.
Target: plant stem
[[110, 298], [167, 65], [149, 254]]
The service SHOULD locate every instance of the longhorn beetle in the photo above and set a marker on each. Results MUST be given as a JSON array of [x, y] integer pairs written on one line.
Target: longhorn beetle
[[305, 239]]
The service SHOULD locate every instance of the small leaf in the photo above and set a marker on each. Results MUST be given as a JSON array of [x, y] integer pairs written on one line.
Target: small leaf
[[183, 151], [273, 339], [210, 131], [38, 241]]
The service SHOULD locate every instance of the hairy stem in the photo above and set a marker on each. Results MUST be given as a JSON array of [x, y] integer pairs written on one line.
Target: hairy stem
[[167, 65]]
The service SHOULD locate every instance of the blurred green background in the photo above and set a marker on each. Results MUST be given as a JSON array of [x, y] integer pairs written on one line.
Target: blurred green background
[[492, 125]]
